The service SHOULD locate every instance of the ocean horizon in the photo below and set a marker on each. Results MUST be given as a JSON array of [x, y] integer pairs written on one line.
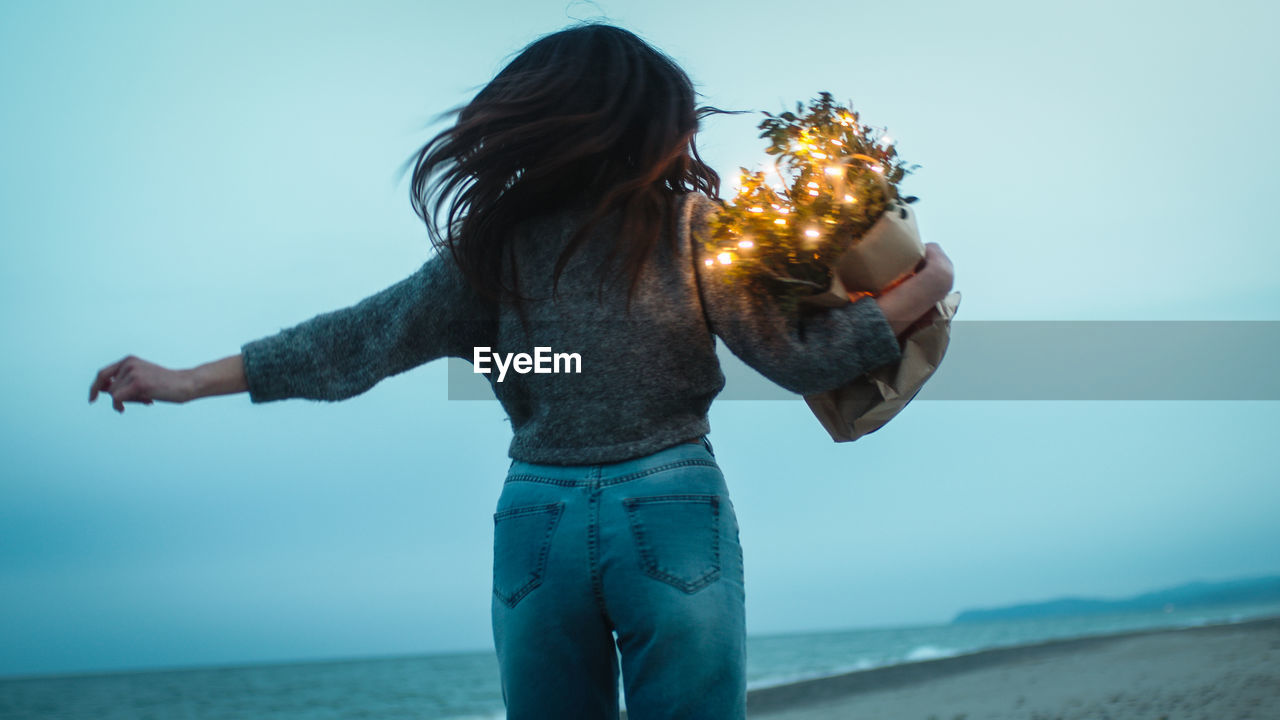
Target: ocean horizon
[[465, 685]]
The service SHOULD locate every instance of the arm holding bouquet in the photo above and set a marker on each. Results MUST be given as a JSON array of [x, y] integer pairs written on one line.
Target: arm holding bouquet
[[825, 227]]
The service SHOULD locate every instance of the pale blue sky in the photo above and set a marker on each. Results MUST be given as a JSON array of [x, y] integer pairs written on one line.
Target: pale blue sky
[[182, 177]]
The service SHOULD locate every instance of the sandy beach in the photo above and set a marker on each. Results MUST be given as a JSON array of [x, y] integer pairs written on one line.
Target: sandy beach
[[1220, 672]]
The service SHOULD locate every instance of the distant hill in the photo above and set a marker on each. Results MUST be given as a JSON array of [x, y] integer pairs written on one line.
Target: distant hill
[[1183, 597]]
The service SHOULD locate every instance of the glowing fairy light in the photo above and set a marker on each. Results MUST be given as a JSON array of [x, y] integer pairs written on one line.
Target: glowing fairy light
[[808, 196]]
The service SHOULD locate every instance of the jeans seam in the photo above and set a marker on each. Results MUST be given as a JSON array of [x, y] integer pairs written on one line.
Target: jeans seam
[[526, 510], [528, 477], [593, 545], [541, 479], [660, 468]]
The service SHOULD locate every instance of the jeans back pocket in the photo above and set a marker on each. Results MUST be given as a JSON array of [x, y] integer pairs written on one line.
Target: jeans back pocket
[[521, 542], [678, 538]]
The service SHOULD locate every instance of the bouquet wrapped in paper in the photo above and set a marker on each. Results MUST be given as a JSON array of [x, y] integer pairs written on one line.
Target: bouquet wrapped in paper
[[866, 404], [822, 226]]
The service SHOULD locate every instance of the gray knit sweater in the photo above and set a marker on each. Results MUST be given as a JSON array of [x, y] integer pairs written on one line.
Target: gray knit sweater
[[646, 380]]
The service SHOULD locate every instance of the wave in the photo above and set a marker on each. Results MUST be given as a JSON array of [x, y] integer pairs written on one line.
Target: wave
[[929, 652], [776, 679]]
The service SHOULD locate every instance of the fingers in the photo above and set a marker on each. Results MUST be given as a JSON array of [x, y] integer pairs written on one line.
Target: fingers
[[103, 378], [120, 382], [127, 389], [933, 255], [118, 391]]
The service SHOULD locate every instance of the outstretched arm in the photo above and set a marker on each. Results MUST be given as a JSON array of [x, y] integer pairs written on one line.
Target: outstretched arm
[[334, 355], [220, 377], [133, 379], [340, 354]]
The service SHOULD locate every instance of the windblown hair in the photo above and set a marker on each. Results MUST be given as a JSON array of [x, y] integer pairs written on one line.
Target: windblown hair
[[591, 115]]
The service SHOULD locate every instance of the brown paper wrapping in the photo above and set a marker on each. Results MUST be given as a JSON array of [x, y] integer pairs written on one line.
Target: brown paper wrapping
[[887, 252], [866, 404]]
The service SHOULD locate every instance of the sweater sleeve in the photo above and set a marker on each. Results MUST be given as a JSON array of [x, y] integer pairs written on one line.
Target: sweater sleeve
[[806, 353], [432, 313]]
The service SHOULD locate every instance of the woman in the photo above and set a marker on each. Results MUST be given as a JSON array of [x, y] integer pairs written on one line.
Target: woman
[[565, 203]]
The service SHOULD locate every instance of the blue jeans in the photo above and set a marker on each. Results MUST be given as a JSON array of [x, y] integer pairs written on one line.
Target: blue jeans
[[646, 549]]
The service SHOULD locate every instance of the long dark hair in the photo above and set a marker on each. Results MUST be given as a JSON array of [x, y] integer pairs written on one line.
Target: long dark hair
[[590, 114]]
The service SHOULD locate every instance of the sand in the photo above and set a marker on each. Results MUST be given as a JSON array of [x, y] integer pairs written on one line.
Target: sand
[[1220, 672]]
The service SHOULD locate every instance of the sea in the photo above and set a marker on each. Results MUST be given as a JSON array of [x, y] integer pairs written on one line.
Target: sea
[[465, 686]]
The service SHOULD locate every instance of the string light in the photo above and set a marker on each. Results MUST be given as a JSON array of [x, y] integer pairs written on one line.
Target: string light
[[823, 189]]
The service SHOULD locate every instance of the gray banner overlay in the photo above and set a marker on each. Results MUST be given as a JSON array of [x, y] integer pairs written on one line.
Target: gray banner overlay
[[1052, 360]]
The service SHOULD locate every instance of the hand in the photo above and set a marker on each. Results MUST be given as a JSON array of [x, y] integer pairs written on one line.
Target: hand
[[939, 270], [136, 380], [907, 302]]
